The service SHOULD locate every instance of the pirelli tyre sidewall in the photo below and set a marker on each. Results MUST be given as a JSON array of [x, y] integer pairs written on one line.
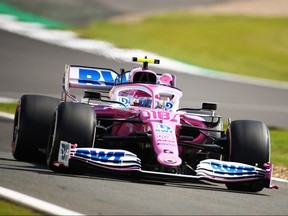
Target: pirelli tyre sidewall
[[31, 126], [74, 123], [250, 144]]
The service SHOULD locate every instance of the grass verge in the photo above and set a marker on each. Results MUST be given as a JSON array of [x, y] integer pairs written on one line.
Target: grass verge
[[9, 208], [8, 107], [30, 17], [253, 46], [279, 146]]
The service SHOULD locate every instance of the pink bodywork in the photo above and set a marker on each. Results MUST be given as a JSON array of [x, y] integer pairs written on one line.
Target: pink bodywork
[[163, 125]]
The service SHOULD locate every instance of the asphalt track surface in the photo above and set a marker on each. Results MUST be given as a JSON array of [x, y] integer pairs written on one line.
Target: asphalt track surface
[[29, 66]]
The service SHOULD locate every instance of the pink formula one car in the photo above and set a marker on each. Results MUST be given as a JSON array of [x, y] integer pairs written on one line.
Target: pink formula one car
[[131, 123]]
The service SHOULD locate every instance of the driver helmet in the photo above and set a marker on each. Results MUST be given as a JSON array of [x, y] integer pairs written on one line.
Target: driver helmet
[[141, 99]]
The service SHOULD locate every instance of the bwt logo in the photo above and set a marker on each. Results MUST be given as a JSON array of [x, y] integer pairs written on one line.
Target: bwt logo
[[163, 128], [231, 169], [101, 155], [90, 76]]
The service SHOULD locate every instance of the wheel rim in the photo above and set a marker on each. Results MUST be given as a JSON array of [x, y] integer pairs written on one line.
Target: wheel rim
[[15, 130]]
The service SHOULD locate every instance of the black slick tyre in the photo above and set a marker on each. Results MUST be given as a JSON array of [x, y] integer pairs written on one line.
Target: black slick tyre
[[73, 123], [250, 144], [31, 127]]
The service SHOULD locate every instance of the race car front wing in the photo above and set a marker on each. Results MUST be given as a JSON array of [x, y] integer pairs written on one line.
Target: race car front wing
[[122, 160]]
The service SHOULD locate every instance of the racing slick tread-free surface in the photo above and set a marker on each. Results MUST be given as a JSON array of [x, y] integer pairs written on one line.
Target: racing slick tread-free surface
[[74, 123], [249, 144], [31, 126]]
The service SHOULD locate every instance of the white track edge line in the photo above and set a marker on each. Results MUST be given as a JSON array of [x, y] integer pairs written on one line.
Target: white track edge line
[[7, 115], [34, 203]]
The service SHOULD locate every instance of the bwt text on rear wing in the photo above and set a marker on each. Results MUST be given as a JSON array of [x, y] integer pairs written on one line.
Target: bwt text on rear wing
[[84, 77]]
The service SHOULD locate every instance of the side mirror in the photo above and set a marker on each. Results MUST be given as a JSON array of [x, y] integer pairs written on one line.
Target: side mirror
[[92, 95], [209, 106]]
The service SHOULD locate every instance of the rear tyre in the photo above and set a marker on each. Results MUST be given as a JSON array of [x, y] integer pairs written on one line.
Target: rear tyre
[[31, 126], [249, 144], [74, 123]]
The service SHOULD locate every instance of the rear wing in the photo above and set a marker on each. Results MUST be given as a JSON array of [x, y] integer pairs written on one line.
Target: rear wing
[[103, 79], [84, 77]]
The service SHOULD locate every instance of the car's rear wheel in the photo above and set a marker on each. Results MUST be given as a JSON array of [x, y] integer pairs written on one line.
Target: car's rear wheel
[[249, 144], [31, 126], [74, 123]]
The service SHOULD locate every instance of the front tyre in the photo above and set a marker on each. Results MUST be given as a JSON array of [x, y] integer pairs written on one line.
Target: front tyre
[[74, 123], [31, 126], [250, 144]]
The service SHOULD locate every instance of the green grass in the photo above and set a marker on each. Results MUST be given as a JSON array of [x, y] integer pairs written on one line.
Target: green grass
[[279, 147], [8, 107], [30, 17], [8, 208], [254, 46]]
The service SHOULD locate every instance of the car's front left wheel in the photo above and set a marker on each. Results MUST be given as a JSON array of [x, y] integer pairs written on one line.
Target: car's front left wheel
[[74, 123]]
